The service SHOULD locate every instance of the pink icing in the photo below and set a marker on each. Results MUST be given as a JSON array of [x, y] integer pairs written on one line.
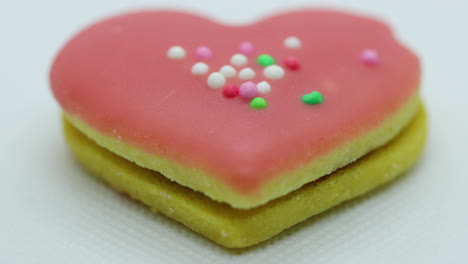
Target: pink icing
[[122, 83]]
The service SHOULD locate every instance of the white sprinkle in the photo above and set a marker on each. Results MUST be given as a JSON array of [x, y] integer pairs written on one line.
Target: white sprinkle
[[263, 87], [238, 60], [199, 68], [246, 74], [216, 80], [176, 53], [228, 71], [292, 42], [273, 72]]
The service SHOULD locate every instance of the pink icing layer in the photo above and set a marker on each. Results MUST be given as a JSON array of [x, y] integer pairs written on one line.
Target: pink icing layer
[[116, 76]]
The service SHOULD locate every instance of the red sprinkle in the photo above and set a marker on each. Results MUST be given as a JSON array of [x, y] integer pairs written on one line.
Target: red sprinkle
[[292, 63], [230, 91]]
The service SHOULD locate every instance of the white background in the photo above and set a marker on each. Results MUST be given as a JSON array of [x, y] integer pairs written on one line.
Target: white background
[[52, 211]]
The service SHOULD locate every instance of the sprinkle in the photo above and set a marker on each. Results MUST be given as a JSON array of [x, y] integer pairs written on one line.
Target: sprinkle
[[199, 68], [246, 74], [258, 103], [263, 87], [203, 52], [216, 80], [265, 60], [176, 53], [248, 90], [370, 57], [292, 63], [228, 71], [246, 47], [273, 72], [230, 91], [312, 98], [238, 60], [292, 42]]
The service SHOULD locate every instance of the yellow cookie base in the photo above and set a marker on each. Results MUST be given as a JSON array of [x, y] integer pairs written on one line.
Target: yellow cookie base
[[279, 186], [237, 228]]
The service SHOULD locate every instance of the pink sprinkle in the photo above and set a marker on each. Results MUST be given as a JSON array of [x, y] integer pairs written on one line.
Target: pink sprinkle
[[246, 47], [370, 57], [203, 52], [248, 90], [230, 91], [292, 63]]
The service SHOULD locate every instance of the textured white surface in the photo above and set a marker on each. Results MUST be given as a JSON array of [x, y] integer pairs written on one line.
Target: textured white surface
[[52, 211]]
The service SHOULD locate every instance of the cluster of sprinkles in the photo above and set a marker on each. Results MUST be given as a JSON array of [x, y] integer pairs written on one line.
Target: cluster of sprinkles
[[248, 90]]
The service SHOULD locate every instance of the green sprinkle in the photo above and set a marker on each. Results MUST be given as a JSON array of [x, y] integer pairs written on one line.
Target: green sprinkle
[[265, 60], [312, 98], [258, 103]]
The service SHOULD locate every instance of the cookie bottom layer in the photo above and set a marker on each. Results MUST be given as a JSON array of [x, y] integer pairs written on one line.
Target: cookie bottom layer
[[237, 228], [279, 185]]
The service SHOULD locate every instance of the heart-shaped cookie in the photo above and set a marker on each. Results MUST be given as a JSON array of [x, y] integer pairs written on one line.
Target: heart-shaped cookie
[[325, 89]]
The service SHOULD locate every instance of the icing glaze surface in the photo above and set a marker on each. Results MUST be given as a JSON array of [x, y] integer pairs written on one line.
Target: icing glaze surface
[[122, 83]]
